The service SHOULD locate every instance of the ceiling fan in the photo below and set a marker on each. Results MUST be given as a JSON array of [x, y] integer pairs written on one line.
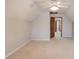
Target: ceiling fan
[[59, 4], [53, 4]]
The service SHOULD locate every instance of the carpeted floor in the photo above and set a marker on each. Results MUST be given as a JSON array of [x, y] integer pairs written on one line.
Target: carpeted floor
[[54, 49]]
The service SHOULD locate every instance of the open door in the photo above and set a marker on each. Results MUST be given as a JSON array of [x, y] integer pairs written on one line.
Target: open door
[[55, 27], [58, 25], [52, 26]]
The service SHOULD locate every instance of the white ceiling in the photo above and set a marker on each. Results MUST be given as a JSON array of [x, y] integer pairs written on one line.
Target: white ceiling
[[29, 9], [46, 4], [69, 11], [21, 9]]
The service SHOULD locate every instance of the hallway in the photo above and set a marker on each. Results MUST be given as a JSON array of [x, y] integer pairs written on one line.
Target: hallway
[[54, 49]]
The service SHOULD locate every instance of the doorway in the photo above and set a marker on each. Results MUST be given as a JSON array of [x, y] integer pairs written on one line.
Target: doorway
[[55, 27]]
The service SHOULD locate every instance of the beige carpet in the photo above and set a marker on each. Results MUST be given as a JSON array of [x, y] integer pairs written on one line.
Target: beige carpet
[[54, 49]]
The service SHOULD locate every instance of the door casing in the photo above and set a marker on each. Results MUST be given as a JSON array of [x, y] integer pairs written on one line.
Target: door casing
[[52, 20]]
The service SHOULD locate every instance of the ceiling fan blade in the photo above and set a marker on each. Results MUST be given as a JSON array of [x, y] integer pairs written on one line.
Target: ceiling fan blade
[[61, 6]]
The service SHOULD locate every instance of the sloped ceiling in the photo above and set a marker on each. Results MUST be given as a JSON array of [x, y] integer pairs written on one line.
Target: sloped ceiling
[[68, 12], [21, 9], [29, 9]]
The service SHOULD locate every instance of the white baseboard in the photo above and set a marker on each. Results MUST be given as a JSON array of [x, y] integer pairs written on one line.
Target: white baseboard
[[41, 39], [17, 49], [67, 38]]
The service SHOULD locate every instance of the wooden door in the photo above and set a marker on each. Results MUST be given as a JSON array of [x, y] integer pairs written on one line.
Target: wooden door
[[52, 26]]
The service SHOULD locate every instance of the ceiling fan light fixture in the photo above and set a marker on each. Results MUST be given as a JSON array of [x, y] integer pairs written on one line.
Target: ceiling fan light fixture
[[54, 8]]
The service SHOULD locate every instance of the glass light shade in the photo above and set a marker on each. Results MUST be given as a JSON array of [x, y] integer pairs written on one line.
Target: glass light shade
[[54, 8]]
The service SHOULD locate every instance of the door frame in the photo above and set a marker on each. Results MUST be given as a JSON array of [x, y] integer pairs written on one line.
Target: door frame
[[50, 26], [54, 27]]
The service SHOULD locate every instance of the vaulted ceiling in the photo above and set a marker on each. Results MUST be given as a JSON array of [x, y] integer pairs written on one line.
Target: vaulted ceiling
[[67, 6], [21, 9], [29, 9]]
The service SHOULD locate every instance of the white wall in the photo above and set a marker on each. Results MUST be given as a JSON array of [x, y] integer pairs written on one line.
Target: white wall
[[66, 25], [67, 28], [19, 14], [17, 33], [41, 27]]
